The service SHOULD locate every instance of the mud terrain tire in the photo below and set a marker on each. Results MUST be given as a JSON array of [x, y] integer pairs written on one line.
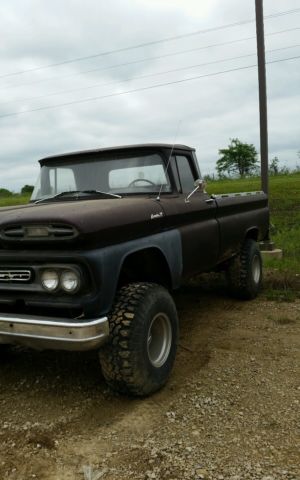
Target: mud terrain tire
[[244, 273], [140, 354], [5, 351]]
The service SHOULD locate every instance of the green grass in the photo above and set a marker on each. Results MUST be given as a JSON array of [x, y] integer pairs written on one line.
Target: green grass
[[15, 199], [282, 276]]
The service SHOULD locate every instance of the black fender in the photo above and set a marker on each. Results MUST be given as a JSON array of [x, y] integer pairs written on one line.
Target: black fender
[[106, 264]]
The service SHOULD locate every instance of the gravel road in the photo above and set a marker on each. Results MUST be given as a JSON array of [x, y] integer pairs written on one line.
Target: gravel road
[[229, 412]]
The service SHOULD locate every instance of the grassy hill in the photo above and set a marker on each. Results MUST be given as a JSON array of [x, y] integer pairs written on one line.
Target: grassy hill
[[285, 220]]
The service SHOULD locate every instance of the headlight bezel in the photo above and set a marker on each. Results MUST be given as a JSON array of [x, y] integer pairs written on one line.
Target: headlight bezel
[[50, 271], [77, 277], [60, 271]]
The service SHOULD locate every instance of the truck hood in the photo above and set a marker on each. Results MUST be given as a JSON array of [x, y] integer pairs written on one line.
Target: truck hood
[[100, 221]]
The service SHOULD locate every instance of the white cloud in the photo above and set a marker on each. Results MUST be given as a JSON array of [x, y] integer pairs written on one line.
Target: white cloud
[[211, 109], [193, 8]]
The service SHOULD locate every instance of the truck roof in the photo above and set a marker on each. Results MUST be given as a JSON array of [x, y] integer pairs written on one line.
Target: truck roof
[[140, 146]]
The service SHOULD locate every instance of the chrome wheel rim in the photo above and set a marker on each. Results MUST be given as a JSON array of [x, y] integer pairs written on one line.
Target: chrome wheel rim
[[159, 339], [256, 270]]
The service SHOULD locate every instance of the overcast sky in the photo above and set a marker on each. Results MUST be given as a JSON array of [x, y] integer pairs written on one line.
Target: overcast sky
[[211, 110]]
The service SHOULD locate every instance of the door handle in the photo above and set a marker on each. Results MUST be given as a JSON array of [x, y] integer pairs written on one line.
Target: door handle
[[210, 200]]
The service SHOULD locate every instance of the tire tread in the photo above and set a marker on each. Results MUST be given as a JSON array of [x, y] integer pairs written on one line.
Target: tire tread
[[238, 273], [117, 357]]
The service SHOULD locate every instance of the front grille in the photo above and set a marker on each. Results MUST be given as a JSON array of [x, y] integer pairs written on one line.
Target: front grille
[[15, 276]]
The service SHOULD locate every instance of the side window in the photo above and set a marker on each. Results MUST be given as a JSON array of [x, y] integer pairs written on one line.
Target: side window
[[185, 174]]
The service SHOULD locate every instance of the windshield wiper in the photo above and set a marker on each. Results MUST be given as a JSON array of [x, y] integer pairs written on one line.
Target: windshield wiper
[[114, 195], [78, 193]]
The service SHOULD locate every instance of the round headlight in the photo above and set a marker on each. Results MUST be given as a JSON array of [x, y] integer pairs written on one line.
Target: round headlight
[[70, 281], [50, 280]]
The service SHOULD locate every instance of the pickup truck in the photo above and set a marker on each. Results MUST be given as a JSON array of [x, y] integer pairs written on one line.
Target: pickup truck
[[92, 260]]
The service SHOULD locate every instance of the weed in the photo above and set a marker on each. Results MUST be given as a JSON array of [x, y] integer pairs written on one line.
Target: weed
[[281, 295], [91, 474], [284, 321]]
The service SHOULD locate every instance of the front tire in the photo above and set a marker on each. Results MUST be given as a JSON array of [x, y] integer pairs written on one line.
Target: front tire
[[244, 273], [140, 354], [5, 350]]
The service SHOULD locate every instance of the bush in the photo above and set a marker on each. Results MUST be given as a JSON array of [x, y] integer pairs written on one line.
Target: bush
[[5, 193]]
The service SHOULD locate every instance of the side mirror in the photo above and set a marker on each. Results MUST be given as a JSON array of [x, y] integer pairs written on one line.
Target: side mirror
[[199, 185]]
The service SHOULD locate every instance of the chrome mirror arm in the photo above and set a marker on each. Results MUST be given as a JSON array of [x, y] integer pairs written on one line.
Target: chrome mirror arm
[[199, 185], [187, 199]]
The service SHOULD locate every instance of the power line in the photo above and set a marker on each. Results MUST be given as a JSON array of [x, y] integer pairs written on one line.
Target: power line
[[134, 62], [146, 44], [141, 89], [139, 77], [172, 54]]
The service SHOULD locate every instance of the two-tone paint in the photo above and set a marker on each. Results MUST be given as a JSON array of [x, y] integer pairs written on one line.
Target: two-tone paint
[[163, 238]]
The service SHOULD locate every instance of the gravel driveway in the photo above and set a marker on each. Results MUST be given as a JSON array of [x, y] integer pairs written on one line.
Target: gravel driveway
[[230, 410]]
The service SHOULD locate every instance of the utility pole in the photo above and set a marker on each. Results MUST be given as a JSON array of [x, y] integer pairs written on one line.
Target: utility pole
[[267, 246], [263, 109]]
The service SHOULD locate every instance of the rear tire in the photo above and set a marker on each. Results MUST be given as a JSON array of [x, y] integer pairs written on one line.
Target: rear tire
[[140, 354], [244, 273]]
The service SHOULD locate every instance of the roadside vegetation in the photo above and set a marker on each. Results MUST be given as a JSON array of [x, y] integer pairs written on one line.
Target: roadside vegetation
[[14, 199], [8, 198]]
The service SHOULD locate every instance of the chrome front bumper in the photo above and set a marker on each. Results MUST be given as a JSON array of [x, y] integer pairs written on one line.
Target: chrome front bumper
[[53, 333]]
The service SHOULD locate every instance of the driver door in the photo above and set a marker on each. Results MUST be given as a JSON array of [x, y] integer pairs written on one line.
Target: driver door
[[195, 219]]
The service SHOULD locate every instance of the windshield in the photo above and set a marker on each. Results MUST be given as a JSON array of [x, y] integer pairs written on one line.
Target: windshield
[[143, 174]]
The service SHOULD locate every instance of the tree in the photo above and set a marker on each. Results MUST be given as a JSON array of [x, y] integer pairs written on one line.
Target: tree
[[238, 158], [274, 166], [27, 189], [5, 193]]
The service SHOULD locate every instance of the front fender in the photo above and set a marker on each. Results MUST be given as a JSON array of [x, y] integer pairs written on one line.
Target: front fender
[[106, 263]]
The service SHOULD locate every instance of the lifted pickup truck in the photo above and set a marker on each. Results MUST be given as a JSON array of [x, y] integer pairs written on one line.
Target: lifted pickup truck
[[90, 262]]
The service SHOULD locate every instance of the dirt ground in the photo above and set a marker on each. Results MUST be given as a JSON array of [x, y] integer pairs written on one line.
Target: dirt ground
[[230, 410]]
